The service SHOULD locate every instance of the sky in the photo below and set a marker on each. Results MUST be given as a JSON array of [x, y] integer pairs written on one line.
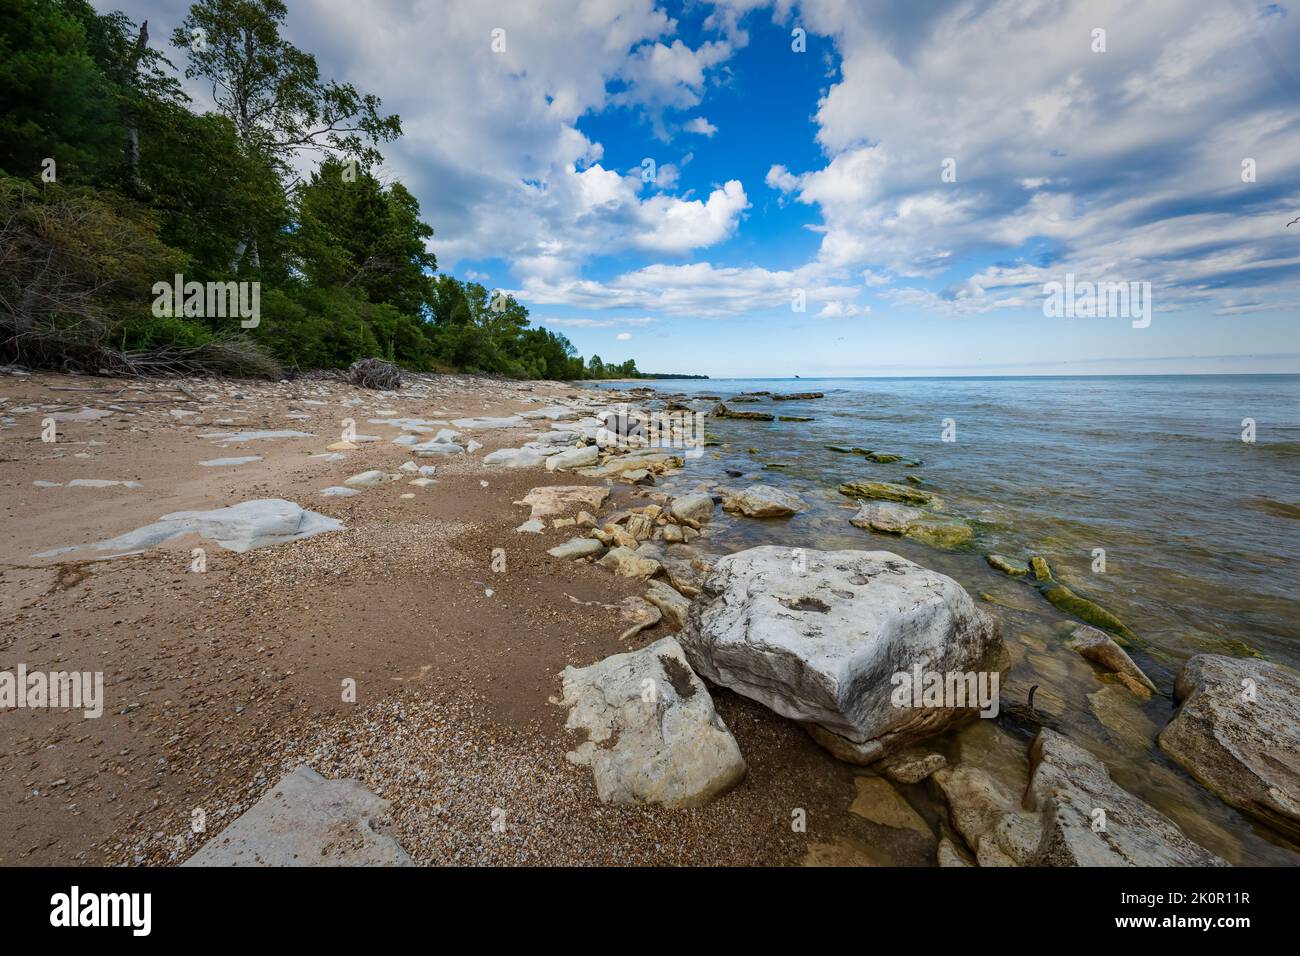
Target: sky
[[747, 188]]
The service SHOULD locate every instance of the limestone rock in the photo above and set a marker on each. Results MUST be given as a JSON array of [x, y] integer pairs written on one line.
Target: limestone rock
[[763, 501], [822, 645], [653, 734], [306, 820], [1238, 733], [1068, 785]]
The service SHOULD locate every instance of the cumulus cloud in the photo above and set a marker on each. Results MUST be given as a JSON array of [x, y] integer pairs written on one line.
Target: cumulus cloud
[[491, 145], [700, 125], [698, 290], [1122, 164]]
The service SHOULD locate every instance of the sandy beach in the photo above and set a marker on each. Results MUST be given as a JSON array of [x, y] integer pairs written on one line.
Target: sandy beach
[[218, 683]]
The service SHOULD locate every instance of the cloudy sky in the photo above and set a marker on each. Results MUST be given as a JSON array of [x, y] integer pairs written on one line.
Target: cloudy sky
[[667, 181]]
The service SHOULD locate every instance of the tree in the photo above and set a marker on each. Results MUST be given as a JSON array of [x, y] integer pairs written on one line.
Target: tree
[[273, 91], [354, 232]]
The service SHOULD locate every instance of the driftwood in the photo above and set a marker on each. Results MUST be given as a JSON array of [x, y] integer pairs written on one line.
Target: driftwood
[[375, 373]]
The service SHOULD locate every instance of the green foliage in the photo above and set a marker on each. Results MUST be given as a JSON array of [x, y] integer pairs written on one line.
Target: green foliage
[[273, 91], [146, 188]]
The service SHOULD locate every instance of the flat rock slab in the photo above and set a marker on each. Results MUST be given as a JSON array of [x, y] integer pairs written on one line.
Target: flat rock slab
[[306, 820], [1238, 733], [239, 528], [563, 499], [256, 435], [483, 424], [653, 735], [1068, 786], [763, 501], [225, 462], [820, 637], [515, 458]]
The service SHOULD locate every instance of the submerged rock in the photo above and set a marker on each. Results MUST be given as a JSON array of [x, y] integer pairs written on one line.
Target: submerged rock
[[888, 491], [653, 733], [1069, 786], [819, 638], [720, 410], [1098, 647], [306, 820], [998, 563], [763, 501], [893, 517], [1237, 731]]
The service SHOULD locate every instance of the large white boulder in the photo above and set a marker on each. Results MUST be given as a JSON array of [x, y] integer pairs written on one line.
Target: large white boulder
[[1238, 733], [652, 733], [822, 637]]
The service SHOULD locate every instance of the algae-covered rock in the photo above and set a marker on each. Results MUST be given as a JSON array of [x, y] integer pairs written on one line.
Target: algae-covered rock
[[896, 518], [887, 491], [720, 410], [1066, 601], [998, 563]]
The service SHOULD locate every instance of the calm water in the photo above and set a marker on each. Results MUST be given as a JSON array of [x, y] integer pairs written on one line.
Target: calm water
[[1199, 528]]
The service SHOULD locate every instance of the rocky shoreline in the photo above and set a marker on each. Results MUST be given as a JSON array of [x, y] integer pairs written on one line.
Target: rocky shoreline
[[737, 707]]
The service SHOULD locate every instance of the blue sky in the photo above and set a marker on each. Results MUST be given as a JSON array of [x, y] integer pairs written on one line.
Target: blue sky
[[820, 171]]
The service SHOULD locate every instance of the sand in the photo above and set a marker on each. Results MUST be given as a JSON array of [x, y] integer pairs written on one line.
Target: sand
[[221, 681]]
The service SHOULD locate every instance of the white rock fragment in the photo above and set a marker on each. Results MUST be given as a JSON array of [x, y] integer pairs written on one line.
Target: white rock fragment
[[338, 491], [223, 462], [256, 435], [368, 479]]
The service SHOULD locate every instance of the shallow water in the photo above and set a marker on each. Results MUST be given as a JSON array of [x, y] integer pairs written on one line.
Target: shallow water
[[1199, 527]]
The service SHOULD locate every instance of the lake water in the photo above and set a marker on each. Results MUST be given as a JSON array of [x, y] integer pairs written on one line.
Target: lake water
[[1199, 528]]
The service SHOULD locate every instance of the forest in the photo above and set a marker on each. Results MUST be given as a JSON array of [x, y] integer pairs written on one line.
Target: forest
[[111, 182]]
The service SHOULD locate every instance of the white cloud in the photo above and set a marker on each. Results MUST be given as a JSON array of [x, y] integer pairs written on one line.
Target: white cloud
[[491, 145], [624, 336], [697, 290], [1123, 164], [700, 125]]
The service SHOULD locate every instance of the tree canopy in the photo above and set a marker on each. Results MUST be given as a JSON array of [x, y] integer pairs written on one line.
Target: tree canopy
[[110, 182]]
